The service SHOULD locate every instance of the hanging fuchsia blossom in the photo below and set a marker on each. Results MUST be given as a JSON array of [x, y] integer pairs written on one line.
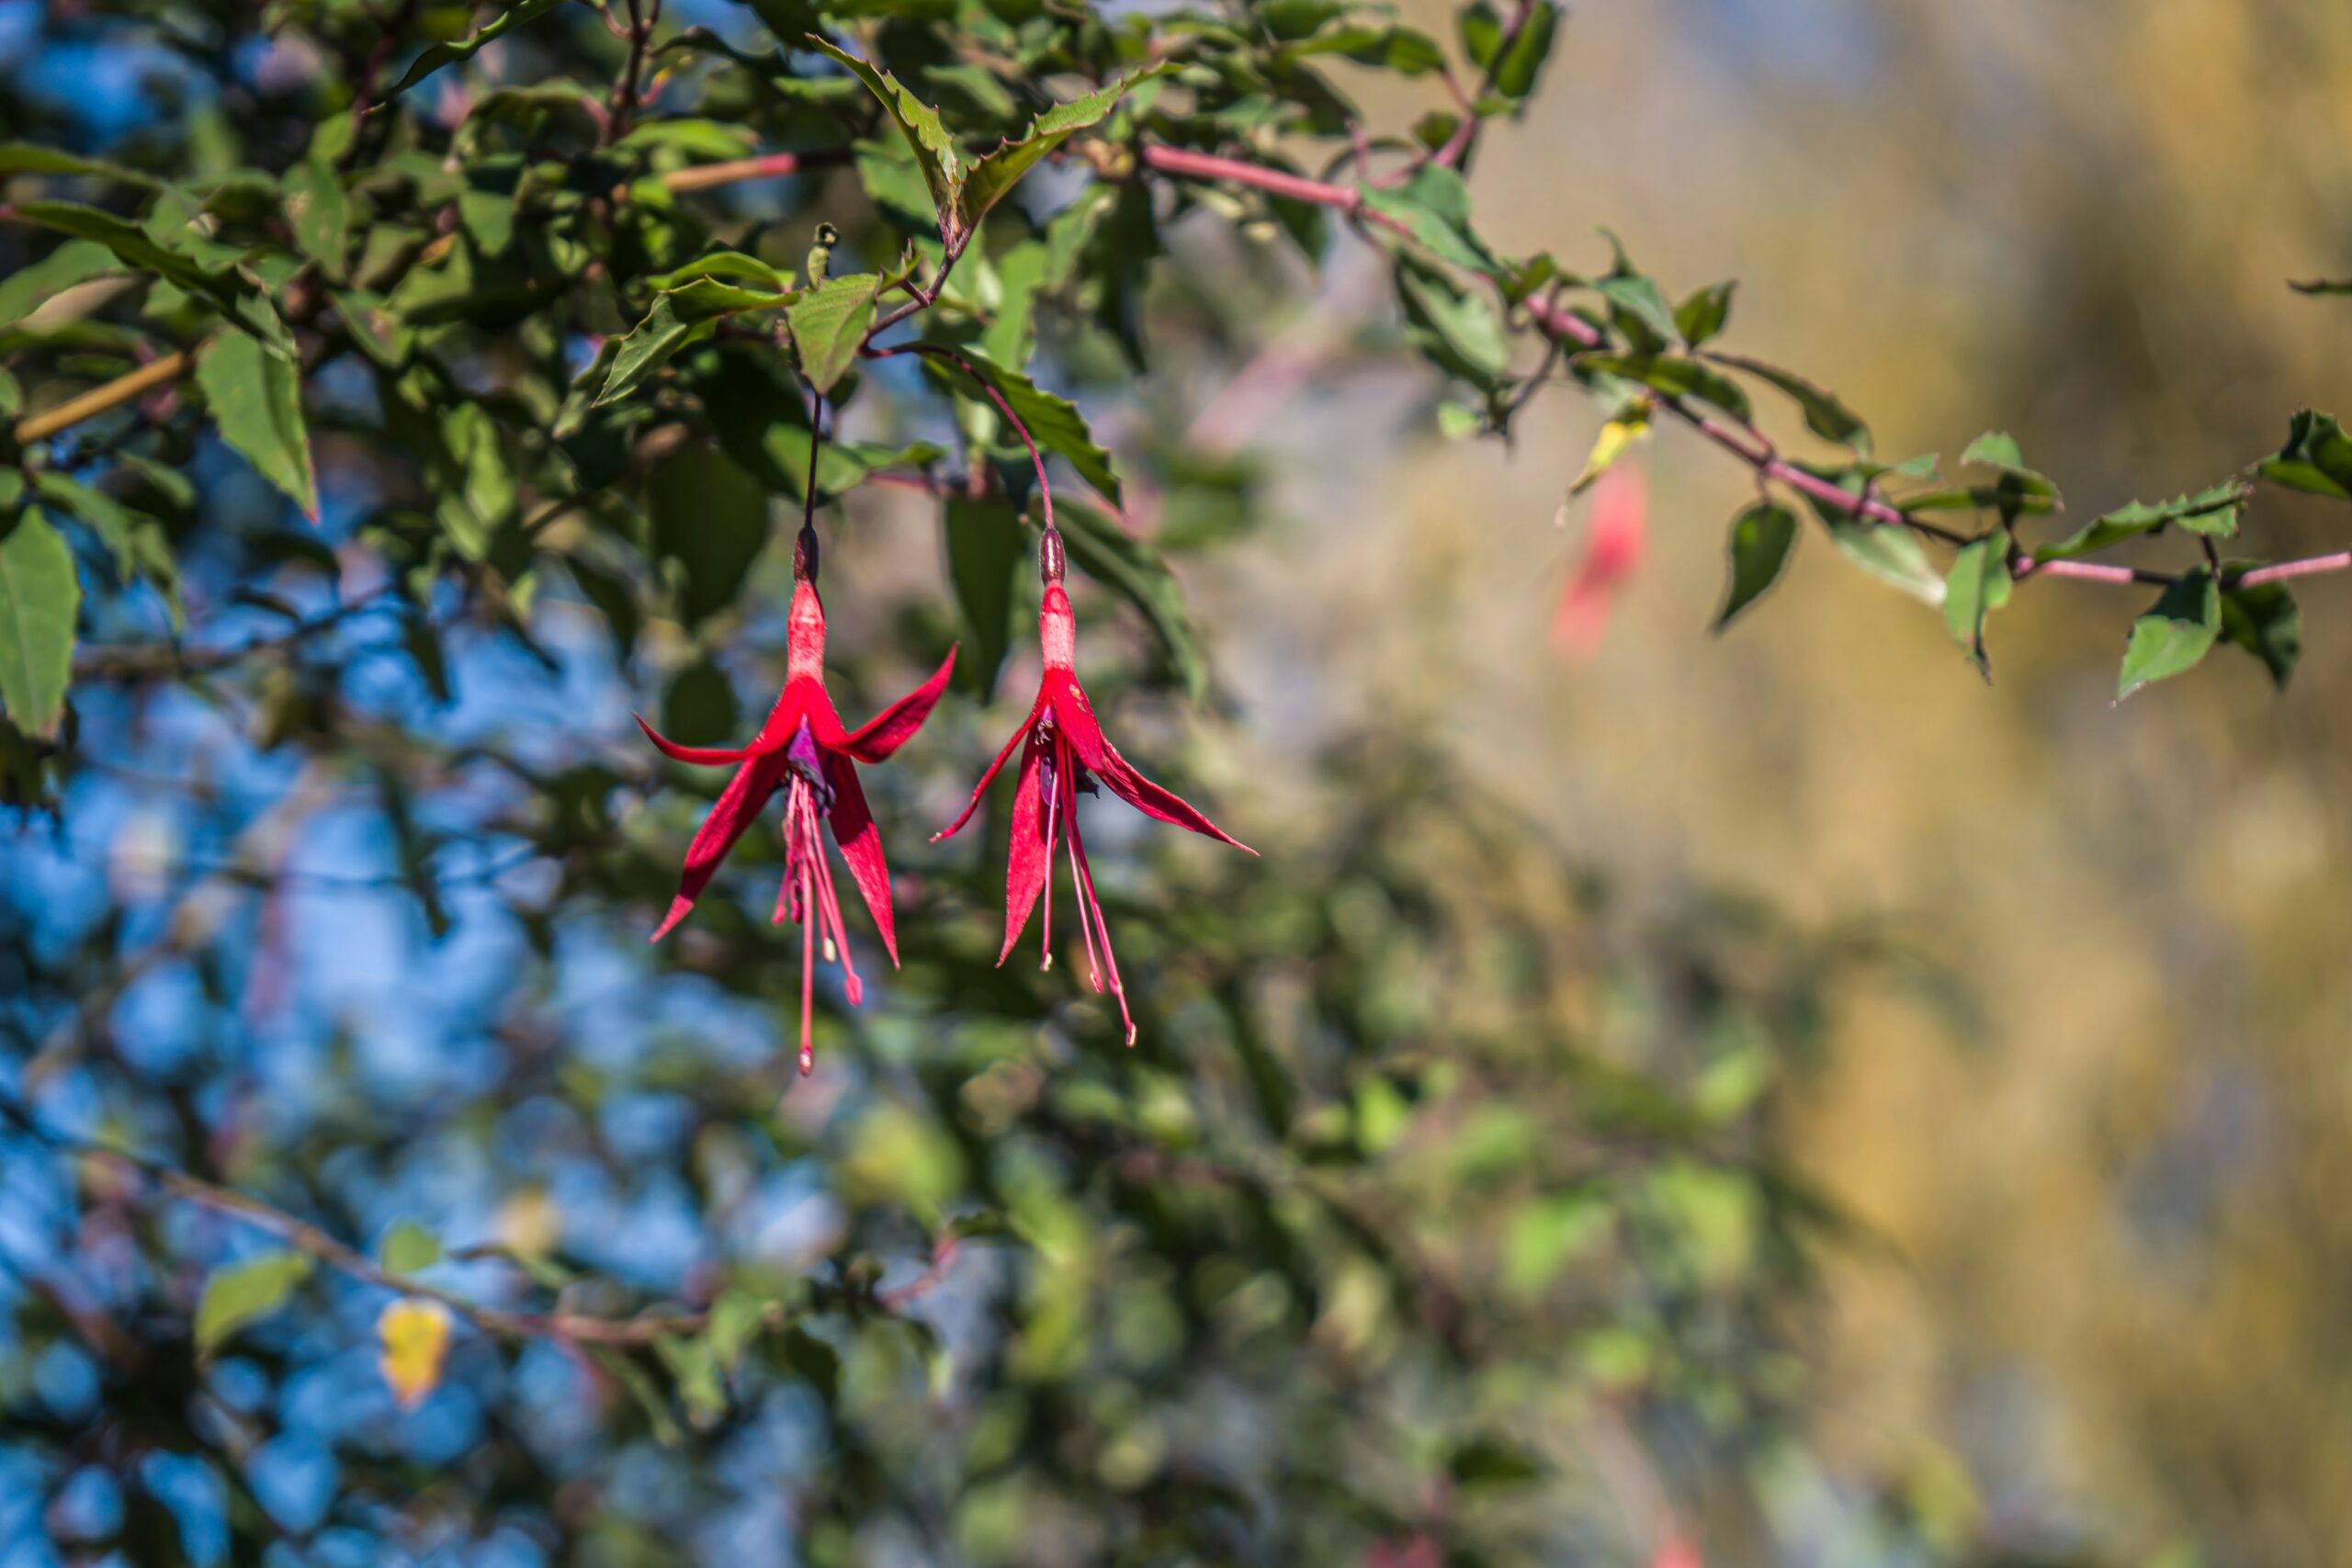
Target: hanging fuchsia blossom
[[1066, 751], [804, 751]]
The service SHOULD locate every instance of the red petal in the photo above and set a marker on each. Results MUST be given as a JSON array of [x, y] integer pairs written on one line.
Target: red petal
[[736, 809], [1614, 549], [989, 778], [1030, 862], [700, 756], [1076, 716], [896, 725], [861, 844]]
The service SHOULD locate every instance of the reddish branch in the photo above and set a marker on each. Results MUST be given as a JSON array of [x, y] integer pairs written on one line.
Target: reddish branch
[[1566, 326]]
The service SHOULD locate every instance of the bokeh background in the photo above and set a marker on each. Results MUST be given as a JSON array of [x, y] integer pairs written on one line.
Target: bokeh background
[[2117, 1210], [2096, 1292]]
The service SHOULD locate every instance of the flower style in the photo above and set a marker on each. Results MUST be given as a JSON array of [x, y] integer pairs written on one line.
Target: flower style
[[1066, 751], [804, 751]]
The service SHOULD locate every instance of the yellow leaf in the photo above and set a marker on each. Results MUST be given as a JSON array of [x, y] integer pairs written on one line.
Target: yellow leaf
[[415, 1338], [529, 1222], [1616, 436]]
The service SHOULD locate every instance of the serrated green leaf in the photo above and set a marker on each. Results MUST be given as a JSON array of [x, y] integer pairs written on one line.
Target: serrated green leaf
[[257, 401], [943, 162], [2264, 621], [1054, 423], [828, 323], [987, 181], [1977, 585], [134, 248], [440, 54], [2175, 635], [1761, 538], [2317, 458], [1116, 558], [1824, 415], [1434, 208], [1458, 329], [984, 552], [40, 598], [2214, 512], [1636, 301], [677, 317], [243, 1293]]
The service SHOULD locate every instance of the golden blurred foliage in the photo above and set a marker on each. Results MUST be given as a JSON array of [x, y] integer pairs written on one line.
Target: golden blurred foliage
[[2121, 1213]]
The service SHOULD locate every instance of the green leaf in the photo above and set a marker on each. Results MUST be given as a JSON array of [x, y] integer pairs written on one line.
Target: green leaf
[[987, 181], [1434, 208], [1116, 558], [1458, 330], [1522, 57], [39, 597], [1977, 585], [711, 518], [1672, 375], [319, 214], [134, 248], [1891, 555], [24, 158], [1823, 414], [2324, 286], [700, 708], [246, 1292], [2267, 622], [1761, 538], [1054, 423], [2317, 458], [256, 400], [28, 288], [440, 54], [1636, 300], [2175, 635], [692, 1362], [2020, 488], [1483, 1461], [1703, 315], [408, 1248], [943, 162], [630, 1373], [677, 316], [2212, 513], [984, 552], [1482, 33], [736, 1319], [829, 322]]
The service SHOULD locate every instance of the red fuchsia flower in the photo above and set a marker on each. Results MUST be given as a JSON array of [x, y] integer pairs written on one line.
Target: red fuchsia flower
[[1065, 752], [1614, 549], [804, 751]]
